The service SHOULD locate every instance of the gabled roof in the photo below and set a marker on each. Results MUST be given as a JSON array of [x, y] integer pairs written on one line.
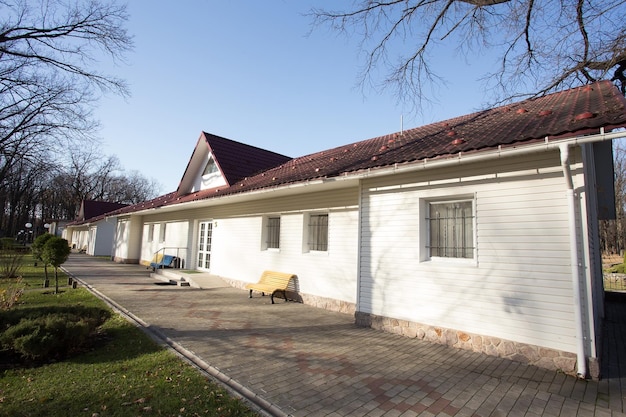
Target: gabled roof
[[579, 111], [238, 160], [235, 160], [91, 208]]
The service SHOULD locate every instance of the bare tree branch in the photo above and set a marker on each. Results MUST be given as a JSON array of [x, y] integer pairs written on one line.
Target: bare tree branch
[[49, 72], [50, 53], [542, 46]]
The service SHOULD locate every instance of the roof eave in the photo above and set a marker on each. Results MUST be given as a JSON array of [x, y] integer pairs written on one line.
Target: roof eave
[[350, 179], [547, 144]]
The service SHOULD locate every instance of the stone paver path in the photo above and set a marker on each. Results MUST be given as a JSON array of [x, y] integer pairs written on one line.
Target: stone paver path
[[306, 361]]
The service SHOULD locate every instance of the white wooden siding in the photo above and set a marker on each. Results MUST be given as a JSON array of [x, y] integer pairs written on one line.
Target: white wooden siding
[[91, 240], [237, 247], [121, 238], [80, 237], [101, 237], [175, 240], [517, 288]]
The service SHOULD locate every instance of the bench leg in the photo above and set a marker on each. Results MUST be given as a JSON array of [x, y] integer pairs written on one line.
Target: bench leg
[[250, 296], [284, 295]]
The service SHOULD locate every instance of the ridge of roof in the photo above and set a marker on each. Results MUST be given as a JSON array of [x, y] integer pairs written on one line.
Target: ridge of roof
[[238, 160], [577, 111]]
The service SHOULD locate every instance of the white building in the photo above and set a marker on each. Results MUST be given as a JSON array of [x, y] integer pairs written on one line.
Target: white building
[[478, 232]]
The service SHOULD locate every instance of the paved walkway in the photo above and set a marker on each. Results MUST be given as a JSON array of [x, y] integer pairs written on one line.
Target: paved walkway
[[292, 359]]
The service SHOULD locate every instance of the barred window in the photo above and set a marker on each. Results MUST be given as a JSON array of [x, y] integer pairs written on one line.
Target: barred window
[[273, 233], [318, 232], [451, 229]]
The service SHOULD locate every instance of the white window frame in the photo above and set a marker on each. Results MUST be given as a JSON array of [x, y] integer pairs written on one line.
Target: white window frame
[[150, 232], [210, 167], [310, 234], [426, 228], [162, 229]]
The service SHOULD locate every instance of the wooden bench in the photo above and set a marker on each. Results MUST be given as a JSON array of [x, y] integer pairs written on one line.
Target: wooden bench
[[271, 282]]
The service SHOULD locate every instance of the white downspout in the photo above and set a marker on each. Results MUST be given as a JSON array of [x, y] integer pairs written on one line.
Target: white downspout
[[581, 359]]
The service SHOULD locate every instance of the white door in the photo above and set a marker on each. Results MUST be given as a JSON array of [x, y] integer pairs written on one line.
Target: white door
[[205, 232]]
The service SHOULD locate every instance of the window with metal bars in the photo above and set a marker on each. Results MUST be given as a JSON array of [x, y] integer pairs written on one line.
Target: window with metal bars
[[318, 232], [451, 229], [273, 233]]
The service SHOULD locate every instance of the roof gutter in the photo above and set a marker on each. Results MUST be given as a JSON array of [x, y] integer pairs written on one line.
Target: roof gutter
[[554, 144]]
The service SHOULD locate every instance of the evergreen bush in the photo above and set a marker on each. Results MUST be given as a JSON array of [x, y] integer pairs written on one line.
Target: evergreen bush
[[53, 336], [55, 252]]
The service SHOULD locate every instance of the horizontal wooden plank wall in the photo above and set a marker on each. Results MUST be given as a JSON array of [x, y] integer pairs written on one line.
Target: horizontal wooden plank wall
[[238, 253], [517, 288]]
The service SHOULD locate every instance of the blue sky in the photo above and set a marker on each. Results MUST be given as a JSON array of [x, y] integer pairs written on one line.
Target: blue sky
[[252, 71]]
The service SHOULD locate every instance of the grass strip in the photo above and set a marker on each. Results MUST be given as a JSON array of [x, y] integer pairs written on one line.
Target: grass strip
[[123, 372]]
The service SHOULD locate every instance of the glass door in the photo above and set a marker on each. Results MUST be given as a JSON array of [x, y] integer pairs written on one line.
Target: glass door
[[205, 232]]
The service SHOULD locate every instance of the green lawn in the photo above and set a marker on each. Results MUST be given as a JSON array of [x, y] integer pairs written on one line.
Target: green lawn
[[123, 373]]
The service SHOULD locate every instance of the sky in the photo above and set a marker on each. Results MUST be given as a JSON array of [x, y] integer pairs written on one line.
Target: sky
[[254, 72]]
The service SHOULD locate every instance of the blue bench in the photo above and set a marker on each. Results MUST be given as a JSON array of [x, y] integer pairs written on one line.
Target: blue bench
[[163, 261]]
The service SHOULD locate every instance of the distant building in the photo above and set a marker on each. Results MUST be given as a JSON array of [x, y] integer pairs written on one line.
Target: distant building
[[92, 232]]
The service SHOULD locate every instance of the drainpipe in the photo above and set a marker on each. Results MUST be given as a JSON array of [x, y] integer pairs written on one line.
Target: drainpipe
[[581, 359]]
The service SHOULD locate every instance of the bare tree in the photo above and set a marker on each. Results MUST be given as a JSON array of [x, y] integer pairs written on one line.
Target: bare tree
[[613, 232], [542, 46], [131, 188], [19, 193], [49, 52], [89, 175], [40, 191]]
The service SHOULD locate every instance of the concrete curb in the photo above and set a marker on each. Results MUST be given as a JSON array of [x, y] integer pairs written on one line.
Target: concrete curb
[[259, 404]]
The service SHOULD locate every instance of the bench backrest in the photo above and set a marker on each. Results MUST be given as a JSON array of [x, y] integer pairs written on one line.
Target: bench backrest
[[278, 279], [167, 260]]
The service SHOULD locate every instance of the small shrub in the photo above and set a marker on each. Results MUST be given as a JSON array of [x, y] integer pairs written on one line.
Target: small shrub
[[10, 263], [7, 243], [37, 250], [55, 252], [48, 337], [38, 244], [10, 295]]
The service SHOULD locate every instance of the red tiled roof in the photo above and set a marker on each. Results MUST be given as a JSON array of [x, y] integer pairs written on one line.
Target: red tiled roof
[[238, 160], [576, 111], [155, 202], [573, 112], [92, 208]]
